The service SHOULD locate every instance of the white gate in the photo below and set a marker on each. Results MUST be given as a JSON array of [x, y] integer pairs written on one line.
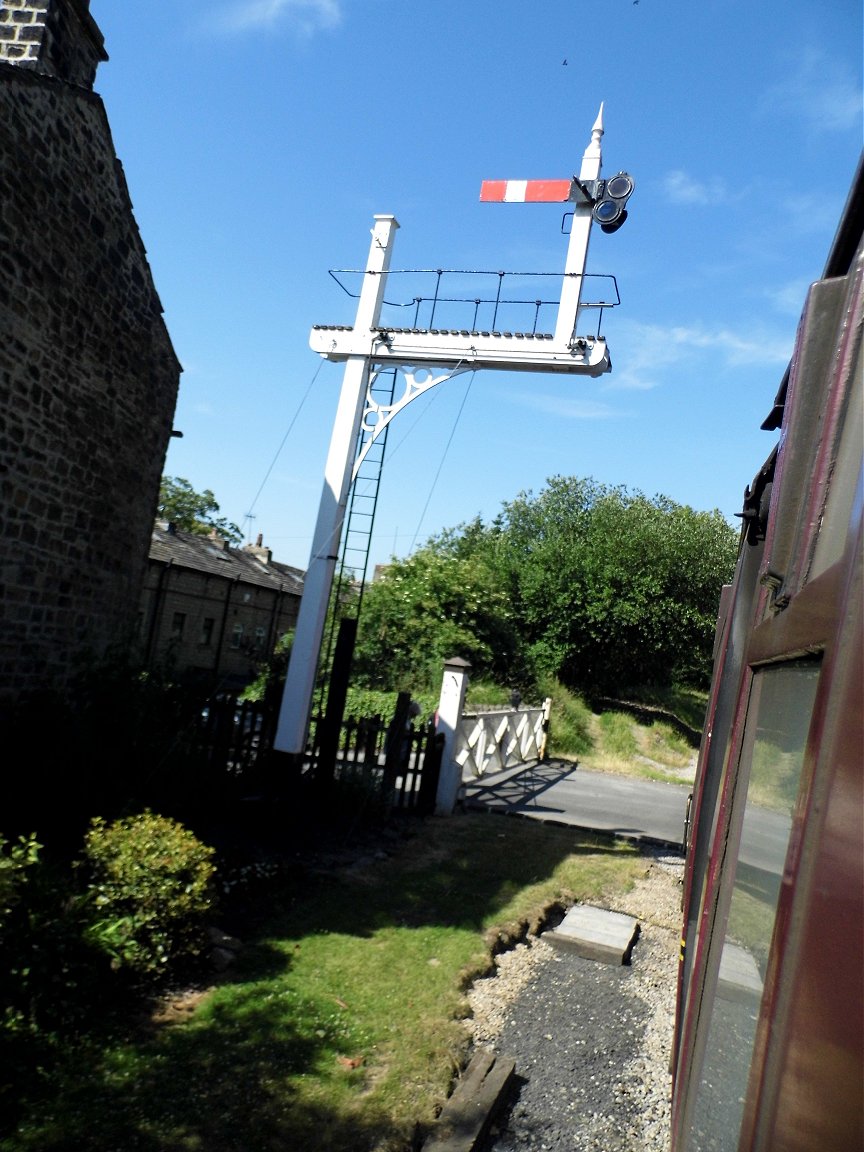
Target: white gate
[[489, 742]]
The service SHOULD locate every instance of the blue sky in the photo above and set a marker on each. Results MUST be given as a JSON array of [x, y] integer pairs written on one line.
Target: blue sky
[[260, 137]]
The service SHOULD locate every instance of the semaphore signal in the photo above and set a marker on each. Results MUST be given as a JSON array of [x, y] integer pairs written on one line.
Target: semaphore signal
[[427, 354]]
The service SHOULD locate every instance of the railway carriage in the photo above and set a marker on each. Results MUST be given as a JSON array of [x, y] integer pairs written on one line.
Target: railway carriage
[[769, 1026]]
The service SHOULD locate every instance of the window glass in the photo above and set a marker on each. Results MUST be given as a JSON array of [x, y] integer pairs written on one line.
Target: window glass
[[207, 625], [771, 764], [178, 624], [844, 479], [236, 635]]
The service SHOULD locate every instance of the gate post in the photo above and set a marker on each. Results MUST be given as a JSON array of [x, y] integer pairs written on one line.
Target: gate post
[[547, 712], [453, 687]]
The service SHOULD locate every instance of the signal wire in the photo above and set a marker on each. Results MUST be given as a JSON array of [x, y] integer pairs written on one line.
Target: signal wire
[[443, 458], [303, 400]]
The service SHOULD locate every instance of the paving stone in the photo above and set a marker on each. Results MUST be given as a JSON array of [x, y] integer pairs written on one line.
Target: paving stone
[[596, 934], [739, 977]]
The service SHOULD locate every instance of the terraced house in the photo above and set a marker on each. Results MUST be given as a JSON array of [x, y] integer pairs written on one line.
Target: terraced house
[[213, 611]]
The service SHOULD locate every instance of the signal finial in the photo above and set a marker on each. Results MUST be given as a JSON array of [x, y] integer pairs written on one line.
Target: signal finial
[[592, 155]]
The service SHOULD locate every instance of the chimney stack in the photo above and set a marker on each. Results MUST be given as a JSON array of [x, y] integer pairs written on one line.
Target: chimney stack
[[57, 38], [262, 555]]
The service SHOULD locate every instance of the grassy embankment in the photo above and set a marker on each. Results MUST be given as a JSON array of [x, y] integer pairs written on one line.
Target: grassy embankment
[[341, 1027], [603, 736], [610, 738]]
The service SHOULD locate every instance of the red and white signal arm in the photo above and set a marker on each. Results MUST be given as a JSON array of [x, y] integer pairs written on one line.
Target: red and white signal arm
[[529, 191]]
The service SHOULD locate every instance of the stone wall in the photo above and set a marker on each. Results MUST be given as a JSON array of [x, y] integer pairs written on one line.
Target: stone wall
[[54, 39], [88, 375]]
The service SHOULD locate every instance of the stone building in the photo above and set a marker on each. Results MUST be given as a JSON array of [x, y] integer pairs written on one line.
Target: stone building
[[88, 374], [214, 611]]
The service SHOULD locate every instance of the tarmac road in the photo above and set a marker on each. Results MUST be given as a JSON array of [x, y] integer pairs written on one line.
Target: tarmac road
[[561, 792]]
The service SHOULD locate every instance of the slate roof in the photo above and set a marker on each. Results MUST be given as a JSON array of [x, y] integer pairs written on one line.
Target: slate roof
[[214, 557]]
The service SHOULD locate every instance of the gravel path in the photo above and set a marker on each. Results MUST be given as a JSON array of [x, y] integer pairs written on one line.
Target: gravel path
[[591, 1041]]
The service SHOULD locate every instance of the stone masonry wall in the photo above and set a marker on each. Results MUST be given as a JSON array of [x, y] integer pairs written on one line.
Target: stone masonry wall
[[59, 40], [88, 379]]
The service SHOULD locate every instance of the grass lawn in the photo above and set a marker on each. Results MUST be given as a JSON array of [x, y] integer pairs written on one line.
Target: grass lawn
[[341, 1027]]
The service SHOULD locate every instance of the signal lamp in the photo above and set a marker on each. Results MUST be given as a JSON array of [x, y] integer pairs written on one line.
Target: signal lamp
[[612, 195]]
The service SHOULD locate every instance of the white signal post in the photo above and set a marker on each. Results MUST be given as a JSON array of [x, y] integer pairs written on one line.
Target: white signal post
[[580, 233], [366, 348], [303, 664], [559, 191]]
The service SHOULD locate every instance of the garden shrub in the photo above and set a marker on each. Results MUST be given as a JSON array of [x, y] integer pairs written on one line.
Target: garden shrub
[[570, 722], [48, 980], [18, 862], [149, 892]]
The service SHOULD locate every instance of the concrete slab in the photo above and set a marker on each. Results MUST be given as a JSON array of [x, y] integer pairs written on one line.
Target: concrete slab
[[739, 978], [596, 934]]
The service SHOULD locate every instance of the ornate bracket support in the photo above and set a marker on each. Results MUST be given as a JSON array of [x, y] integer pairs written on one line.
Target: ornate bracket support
[[376, 417]]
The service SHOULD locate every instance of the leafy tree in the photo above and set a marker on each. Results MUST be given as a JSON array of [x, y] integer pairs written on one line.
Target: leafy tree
[[614, 589], [193, 511], [267, 685], [436, 604], [596, 586]]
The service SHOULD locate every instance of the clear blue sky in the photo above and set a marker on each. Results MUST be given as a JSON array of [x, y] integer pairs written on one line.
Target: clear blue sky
[[260, 137]]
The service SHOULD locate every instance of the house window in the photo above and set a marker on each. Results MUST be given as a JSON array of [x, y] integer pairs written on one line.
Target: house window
[[260, 635], [178, 623], [207, 626], [237, 636]]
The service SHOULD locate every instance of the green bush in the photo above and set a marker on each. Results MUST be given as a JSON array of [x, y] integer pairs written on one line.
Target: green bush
[[48, 980], [485, 693], [18, 863], [569, 722], [362, 703], [149, 890]]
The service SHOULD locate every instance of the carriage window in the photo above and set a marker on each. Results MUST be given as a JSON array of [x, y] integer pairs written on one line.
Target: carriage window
[[841, 494], [771, 764]]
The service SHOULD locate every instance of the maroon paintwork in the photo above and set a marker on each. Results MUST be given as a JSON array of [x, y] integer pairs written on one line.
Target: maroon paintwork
[[797, 600]]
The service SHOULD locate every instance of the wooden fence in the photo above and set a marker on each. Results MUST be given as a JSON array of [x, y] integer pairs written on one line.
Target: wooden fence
[[401, 765]]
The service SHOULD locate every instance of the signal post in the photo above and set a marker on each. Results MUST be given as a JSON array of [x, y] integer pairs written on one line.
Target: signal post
[[427, 357]]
